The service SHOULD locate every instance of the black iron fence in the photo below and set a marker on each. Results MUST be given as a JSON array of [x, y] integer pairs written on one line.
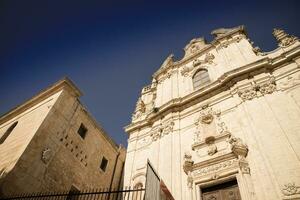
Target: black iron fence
[[93, 194]]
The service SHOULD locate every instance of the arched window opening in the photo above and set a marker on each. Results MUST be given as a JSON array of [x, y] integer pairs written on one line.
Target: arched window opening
[[200, 79], [8, 132]]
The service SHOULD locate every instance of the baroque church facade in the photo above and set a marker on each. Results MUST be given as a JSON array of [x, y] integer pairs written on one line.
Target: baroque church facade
[[223, 122]]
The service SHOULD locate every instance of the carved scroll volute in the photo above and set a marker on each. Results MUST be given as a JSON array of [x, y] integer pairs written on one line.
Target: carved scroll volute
[[188, 162], [238, 147]]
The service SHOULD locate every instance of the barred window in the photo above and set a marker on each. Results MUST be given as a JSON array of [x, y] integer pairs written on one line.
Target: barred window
[[8, 132], [200, 79]]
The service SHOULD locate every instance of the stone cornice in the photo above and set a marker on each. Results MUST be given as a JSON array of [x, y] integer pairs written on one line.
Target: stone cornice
[[177, 104], [208, 47], [64, 83]]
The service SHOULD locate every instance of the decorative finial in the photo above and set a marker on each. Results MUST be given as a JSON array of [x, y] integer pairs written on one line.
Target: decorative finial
[[284, 39]]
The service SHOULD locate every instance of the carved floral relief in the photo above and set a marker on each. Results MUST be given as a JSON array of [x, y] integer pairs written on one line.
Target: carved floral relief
[[214, 168], [162, 130], [264, 88], [290, 189]]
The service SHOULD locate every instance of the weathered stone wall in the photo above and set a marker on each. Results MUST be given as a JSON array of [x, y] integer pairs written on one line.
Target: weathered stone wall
[[57, 157], [29, 122]]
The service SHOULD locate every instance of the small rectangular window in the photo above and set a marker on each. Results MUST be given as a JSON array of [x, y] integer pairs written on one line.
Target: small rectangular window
[[103, 164], [82, 131]]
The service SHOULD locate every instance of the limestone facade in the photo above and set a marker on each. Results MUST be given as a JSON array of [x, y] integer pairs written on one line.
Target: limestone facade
[[44, 151], [243, 125]]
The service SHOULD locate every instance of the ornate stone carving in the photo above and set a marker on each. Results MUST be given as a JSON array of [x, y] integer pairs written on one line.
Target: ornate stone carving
[[155, 135], [206, 116], [186, 69], [197, 136], [161, 130], [226, 43], [264, 88], [165, 76], [222, 128], [190, 180], [268, 88], [207, 60], [284, 39], [140, 108], [237, 146], [223, 45], [290, 189], [258, 51], [167, 128], [46, 155], [168, 63], [247, 94], [208, 126], [221, 31], [215, 176], [188, 162], [212, 149], [194, 45], [212, 169], [244, 166]]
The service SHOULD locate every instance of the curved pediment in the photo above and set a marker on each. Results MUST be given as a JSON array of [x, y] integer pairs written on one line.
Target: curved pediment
[[194, 45], [165, 65]]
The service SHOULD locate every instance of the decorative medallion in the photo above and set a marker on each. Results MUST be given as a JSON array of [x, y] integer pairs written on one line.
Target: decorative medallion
[[46, 155]]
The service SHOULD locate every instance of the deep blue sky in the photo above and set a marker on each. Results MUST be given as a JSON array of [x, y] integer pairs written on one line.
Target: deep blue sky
[[110, 49]]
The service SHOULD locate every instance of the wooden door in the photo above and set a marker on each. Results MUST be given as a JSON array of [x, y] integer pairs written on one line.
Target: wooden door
[[225, 191]]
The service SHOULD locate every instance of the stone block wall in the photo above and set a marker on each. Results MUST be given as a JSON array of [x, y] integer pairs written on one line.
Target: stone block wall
[[57, 157]]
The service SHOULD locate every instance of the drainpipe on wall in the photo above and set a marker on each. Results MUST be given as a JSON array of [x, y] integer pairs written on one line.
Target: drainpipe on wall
[[114, 170]]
